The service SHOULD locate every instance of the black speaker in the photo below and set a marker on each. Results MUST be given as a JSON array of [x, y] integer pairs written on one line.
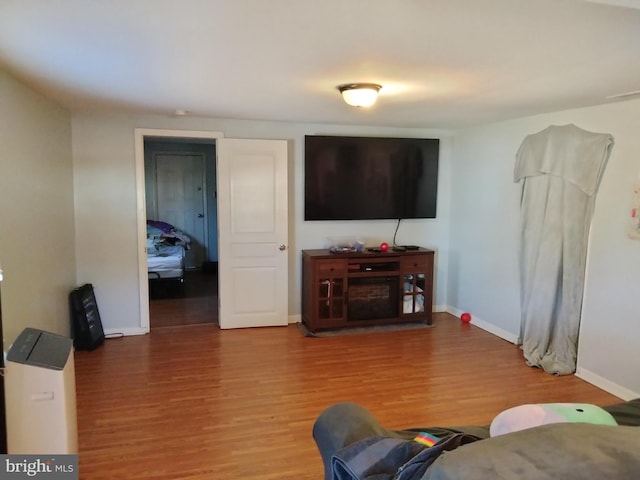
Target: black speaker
[[87, 329]]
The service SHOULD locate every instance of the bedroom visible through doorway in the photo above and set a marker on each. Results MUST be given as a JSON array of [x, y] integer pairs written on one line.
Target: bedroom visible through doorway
[[181, 214]]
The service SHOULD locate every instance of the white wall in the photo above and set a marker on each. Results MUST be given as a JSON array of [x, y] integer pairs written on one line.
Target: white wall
[[36, 211], [483, 275], [105, 197]]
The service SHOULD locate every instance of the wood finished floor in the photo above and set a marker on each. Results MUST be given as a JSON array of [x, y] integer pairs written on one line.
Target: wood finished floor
[[198, 402]]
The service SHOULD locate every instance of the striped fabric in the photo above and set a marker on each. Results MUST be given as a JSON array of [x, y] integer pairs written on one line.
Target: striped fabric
[[426, 439]]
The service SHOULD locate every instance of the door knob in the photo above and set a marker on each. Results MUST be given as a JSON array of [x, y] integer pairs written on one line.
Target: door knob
[[200, 215], [282, 247]]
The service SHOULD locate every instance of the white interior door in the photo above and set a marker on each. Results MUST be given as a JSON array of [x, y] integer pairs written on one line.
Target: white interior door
[[180, 199], [253, 231]]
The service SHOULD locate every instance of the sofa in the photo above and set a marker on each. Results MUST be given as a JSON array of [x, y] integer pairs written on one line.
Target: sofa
[[353, 445]]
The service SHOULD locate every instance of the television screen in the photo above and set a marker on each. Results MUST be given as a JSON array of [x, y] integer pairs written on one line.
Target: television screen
[[368, 178]]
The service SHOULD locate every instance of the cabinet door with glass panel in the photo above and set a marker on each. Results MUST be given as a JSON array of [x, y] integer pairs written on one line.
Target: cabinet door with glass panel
[[332, 291], [417, 286]]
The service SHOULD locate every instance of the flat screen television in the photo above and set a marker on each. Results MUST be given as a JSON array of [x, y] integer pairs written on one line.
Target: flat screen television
[[370, 178]]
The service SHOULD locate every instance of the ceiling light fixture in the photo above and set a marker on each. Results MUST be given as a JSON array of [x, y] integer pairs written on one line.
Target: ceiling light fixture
[[359, 94]]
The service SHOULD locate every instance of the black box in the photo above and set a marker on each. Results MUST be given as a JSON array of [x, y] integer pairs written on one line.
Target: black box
[[86, 329]]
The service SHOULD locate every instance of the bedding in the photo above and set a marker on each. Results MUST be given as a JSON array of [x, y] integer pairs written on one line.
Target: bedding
[[166, 247], [166, 261], [162, 233]]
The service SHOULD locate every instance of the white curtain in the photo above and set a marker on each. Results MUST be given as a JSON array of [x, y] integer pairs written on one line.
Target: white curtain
[[560, 169]]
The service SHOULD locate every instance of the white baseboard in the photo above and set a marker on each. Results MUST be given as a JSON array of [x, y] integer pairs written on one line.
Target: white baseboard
[[124, 332], [606, 385], [486, 326], [582, 373]]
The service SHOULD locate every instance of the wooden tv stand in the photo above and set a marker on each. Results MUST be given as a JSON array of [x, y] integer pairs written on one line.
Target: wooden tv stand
[[366, 288]]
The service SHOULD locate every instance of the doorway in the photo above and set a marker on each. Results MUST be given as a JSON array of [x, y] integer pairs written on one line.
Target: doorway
[[180, 193], [252, 182]]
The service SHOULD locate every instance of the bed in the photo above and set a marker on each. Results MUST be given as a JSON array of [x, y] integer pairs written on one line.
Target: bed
[[166, 249]]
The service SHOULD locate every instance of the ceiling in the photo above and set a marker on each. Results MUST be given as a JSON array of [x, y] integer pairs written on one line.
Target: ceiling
[[442, 63]]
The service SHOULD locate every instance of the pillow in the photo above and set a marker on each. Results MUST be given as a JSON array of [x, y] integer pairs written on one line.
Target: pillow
[[567, 451], [533, 415]]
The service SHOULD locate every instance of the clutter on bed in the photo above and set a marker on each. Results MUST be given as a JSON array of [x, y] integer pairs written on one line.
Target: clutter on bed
[[163, 234], [166, 247]]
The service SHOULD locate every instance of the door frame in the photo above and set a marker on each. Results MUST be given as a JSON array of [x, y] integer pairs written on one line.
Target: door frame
[[141, 207]]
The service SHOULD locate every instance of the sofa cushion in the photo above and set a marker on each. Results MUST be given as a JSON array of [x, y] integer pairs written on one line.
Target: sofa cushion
[[563, 450]]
